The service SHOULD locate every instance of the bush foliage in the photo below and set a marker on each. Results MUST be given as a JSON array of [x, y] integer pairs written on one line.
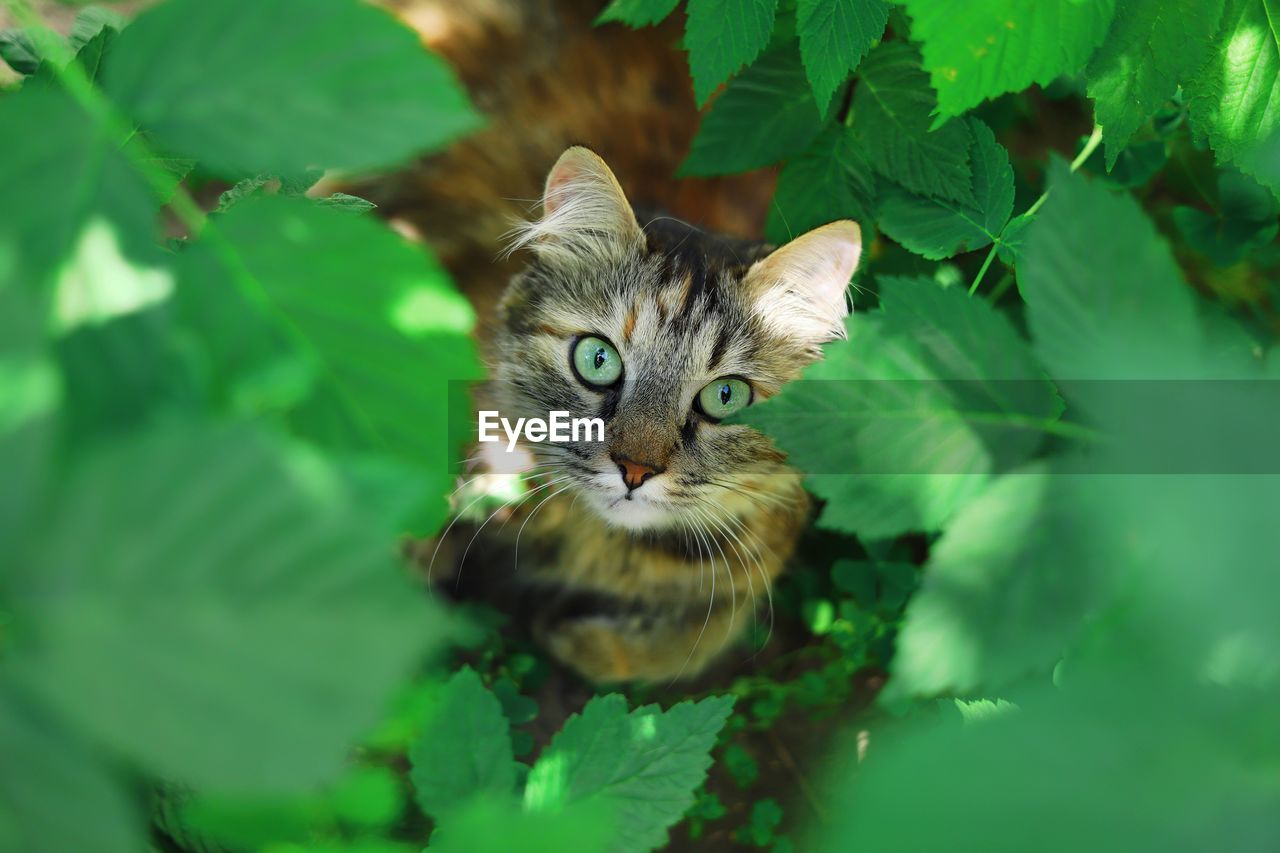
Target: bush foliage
[[1046, 453]]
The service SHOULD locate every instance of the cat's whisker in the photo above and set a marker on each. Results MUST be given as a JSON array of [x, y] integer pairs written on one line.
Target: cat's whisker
[[518, 500], [711, 603], [728, 569], [515, 563], [757, 561]]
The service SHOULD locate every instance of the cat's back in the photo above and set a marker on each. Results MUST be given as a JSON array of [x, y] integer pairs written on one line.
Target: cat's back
[[545, 78]]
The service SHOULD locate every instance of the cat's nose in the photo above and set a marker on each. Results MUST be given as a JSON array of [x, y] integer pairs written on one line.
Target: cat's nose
[[634, 474]]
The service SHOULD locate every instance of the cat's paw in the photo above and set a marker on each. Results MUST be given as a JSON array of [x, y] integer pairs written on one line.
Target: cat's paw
[[594, 648]]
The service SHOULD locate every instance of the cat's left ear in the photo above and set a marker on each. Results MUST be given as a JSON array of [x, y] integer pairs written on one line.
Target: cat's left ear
[[584, 211], [799, 289]]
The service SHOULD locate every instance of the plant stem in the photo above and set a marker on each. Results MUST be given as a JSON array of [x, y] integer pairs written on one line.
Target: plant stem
[[991, 256], [1095, 139]]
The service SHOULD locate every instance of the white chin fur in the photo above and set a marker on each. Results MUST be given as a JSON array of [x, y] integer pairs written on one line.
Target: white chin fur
[[639, 513]]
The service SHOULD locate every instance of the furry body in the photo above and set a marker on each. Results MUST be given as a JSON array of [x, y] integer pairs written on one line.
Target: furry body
[[623, 574]]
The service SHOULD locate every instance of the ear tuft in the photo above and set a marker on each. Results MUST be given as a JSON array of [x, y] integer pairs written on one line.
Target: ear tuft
[[584, 212], [799, 289]]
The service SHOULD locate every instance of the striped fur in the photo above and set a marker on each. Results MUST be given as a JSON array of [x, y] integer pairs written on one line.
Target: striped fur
[[677, 566]]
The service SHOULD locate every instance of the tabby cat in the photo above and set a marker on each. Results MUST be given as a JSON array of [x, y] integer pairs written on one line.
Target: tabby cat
[[643, 556], [651, 549]]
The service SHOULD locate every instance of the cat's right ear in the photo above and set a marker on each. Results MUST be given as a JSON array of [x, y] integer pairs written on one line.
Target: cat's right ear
[[584, 212]]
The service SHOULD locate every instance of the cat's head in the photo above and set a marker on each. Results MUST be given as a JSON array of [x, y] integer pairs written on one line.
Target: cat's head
[[662, 332]]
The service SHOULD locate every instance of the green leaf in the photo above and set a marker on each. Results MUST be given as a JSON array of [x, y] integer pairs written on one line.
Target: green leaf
[[903, 424], [464, 751], [1148, 52], [1105, 299], [91, 21], [1133, 166], [490, 825], [1013, 236], [637, 13], [893, 107], [998, 46], [722, 36], [19, 51], [1247, 220], [765, 115], [340, 85], [349, 203], [60, 171], [831, 180], [1088, 768], [834, 37], [1235, 97], [645, 764], [31, 394], [54, 793], [940, 228], [1000, 596], [364, 327], [190, 580]]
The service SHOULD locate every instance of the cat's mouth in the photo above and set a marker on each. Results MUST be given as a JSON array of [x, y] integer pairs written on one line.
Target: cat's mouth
[[633, 510]]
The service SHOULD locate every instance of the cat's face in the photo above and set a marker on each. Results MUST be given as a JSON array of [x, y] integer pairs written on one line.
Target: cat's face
[[662, 333]]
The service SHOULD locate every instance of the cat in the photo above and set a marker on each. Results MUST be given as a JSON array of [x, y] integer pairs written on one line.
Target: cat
[[643, 556], [650, 550]]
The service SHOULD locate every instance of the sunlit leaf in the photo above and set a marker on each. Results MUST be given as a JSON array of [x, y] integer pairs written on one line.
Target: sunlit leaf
[[998, 46], [339, 85], [643, 765]]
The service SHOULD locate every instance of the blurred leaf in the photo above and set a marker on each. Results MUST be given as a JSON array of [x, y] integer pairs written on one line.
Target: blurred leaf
[[637, 13], [349, 203], [19, 51], [374, 320], [894, 106], [831, 180], [518, 709], [124, 374], [190, 580], [369, 798], [722, 36], [938, 228], [1000, 46], [742, 768], [1235, 97], [765, 115], [644, 765], [1147, 53], [30, 396], [766, 814], [54, 793], [1117, 765], [1002, 595], [1248, 220], [900, 426], [834, 36], [1133, 166], [61, 170], [464, 751], [1104, 296], [340, 85], [91, 21], [494, 825], [983, 710]]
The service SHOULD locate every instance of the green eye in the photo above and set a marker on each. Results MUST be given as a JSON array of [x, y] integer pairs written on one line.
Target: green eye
[[723, 397], [595, 362]]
